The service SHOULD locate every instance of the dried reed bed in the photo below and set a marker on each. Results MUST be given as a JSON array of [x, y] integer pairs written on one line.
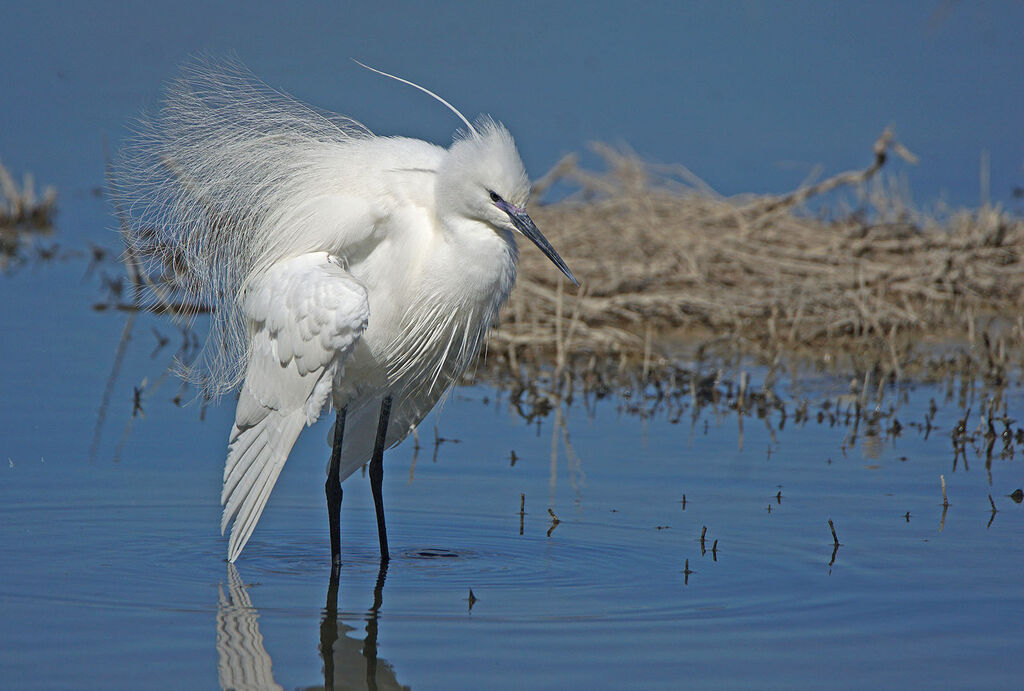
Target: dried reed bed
[[671, 270], [666, 261], [22, 215]]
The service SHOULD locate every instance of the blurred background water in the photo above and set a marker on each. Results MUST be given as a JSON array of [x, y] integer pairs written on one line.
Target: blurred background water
[[750, 96], [113, 575]]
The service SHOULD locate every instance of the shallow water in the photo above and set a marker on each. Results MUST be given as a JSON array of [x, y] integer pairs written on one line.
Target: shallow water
[[114, 576], [112, 571]]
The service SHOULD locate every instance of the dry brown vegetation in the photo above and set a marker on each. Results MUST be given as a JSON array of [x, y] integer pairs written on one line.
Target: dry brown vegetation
[[672, 271], [23, 215], [666, 265]]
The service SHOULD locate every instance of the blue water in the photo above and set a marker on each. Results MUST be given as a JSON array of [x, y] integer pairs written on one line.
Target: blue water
[[749, 96], [113, 573]]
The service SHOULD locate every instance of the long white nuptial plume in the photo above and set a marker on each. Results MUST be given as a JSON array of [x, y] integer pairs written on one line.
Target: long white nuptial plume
[[469, 126]]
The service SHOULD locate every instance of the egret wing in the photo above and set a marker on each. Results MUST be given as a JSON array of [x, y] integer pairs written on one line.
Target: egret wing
[[306, 314]]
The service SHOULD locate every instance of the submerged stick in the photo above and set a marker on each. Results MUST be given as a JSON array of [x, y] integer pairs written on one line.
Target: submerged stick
[[832, 527], [554, 521]]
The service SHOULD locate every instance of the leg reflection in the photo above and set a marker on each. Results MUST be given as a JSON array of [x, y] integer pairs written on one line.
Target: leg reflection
[[329, 627], [370, 646], [349, 663]]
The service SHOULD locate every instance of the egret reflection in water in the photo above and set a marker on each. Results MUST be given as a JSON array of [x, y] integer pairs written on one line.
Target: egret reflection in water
[[243, 662]]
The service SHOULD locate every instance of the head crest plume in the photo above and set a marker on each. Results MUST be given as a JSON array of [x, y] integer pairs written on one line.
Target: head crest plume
[[450, 107]]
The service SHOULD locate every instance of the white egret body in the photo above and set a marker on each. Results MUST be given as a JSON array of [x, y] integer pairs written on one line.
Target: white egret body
[[344, 267]]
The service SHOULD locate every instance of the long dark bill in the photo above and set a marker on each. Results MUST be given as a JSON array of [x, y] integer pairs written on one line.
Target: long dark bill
[[525, 225]]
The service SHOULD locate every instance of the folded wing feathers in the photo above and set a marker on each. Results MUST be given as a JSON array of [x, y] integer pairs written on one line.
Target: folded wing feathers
[[307, 314]]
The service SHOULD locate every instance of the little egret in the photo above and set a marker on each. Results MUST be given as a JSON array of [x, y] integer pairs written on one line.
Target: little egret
[[340, 267]]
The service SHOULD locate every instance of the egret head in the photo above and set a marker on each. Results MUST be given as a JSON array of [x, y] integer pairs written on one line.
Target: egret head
[[483, 179]]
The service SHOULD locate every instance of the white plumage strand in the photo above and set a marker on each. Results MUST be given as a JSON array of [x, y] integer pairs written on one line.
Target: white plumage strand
[[340, 266], [219, 184]]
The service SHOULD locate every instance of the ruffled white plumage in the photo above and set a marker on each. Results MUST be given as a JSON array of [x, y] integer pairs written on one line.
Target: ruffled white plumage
[[227, 178], [293, 226]]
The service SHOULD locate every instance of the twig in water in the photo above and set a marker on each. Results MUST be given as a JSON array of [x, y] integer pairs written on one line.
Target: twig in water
[[945, 501], [741, 394], [647, 352], [835, 545], [554, 521], [832, 527], [108, 390]]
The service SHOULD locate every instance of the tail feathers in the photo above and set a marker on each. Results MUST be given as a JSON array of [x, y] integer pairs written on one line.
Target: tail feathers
[[256, 456]]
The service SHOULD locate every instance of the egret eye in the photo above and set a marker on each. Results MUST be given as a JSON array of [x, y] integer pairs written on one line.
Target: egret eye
[[495, 197]]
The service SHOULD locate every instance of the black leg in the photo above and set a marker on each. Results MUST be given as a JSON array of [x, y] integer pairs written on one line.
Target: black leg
[[333, 490], [377, 476]]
